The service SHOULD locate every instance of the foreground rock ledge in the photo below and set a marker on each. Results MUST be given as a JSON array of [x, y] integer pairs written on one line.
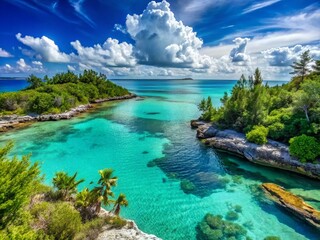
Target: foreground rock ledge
[[293, 204], [272, 154], [129, 232], [8, 122]]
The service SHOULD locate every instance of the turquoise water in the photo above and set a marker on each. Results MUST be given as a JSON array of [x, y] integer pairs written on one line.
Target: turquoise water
[[127, 135]]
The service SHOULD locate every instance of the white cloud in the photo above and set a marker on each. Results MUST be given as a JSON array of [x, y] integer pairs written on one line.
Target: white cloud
[[238, 53], [22, 67], [77, 5], [258, 6], [161, 40], [4, 53], [299, 28], [71, 68], [45, 48], [120, 28], [285, 56], [110, 54]]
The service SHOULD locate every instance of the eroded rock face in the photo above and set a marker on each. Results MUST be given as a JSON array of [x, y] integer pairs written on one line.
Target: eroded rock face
[[129, 232], [292, 203], [273, 154]]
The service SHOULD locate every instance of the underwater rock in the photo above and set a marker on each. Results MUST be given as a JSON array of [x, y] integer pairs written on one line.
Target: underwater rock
[[292, 203], [215, 228], [151, 163], [211, 179], [232, 216], [272, 154], [187, 186]]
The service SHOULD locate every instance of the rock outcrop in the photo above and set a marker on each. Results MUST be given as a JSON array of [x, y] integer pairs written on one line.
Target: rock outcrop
[[292, 203], [272, 154], [129, 232]]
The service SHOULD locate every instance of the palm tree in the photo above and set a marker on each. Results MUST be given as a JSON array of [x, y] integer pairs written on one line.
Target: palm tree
[[85, 202], [106, 181], [121, 201], [66, 185]]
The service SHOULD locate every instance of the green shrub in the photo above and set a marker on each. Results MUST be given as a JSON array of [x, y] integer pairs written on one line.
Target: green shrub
[[258, 135], [59, 220], [276, 130], [304, 147], [116, 221]]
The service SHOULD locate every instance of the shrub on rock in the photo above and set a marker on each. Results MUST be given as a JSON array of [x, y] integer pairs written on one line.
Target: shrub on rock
[[258, 135], [304, 147]]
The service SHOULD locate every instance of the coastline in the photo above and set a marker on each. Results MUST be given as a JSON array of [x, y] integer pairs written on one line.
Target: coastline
[[272, 154], [9, 122], [128, 232]]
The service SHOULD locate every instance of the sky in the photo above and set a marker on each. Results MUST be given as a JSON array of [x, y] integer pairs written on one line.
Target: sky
[[202, 39]]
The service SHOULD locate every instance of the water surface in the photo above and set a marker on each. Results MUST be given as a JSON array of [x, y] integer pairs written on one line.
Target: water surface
[[127, 135]]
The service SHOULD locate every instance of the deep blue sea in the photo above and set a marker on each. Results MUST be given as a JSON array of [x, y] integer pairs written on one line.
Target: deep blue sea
[[127, 135]]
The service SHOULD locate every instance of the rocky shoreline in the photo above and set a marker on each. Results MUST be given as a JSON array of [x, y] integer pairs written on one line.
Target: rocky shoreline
[[292, 203], [9, 122], [129, 232], [271, 154]]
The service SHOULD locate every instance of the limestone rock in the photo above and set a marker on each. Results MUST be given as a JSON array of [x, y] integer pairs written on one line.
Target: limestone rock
[[292, 203]]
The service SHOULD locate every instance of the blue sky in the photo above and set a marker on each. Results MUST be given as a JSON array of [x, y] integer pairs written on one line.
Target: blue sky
[[142, 39]]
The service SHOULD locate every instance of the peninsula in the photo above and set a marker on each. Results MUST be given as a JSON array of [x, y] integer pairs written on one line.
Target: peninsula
[[272, 126]]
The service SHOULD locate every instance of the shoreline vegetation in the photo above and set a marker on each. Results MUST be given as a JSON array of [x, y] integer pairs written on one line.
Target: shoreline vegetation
[[63, 96], [287, 115], [31, 210], [276, 126]]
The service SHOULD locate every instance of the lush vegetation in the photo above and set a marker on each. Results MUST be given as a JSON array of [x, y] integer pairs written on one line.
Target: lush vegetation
[[59, 93], [279, 113], [31, 210]]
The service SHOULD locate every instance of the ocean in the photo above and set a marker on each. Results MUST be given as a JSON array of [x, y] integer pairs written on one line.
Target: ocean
[[128, 135]]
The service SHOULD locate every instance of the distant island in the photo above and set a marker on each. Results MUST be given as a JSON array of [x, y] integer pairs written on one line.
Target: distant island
[[60, 97], [13, 78]]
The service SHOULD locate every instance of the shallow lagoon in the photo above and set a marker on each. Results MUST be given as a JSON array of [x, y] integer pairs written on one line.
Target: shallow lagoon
[[128, 135]]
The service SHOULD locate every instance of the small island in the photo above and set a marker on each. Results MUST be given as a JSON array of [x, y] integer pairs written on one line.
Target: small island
[[60, 97]]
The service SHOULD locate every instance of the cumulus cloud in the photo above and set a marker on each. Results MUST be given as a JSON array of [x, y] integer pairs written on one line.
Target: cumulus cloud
[[110, 54], [161, 40], [285, 56], [4, 53], [238, 53], [22, 67], [46, 48]]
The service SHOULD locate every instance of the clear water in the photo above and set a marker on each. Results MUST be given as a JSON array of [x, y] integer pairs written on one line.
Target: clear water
[[127, 135]]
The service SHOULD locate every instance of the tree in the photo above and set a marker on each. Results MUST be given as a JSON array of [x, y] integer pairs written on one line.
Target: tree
[[17, 179], [121, 201], [257, 77], [300, 68], [106, 181], [85, 202], [34, 82], [66, 184], [316, 67], [308, 97]]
